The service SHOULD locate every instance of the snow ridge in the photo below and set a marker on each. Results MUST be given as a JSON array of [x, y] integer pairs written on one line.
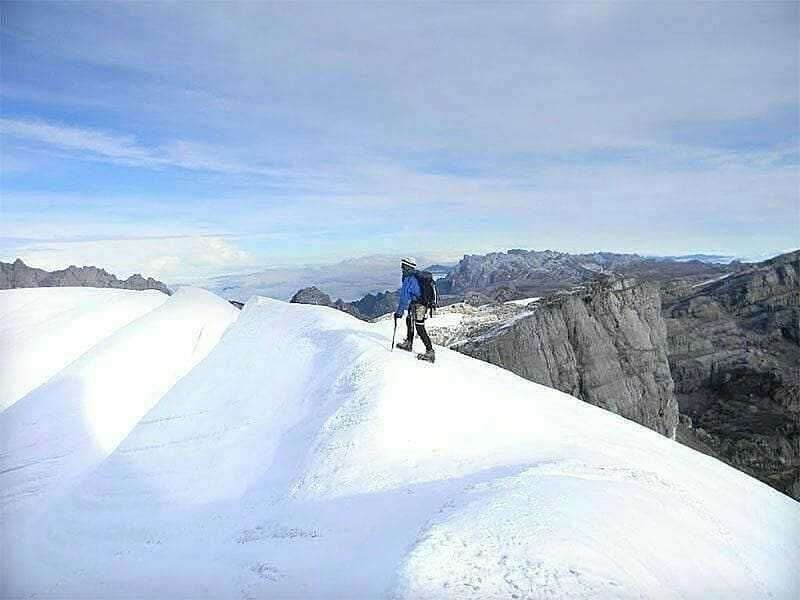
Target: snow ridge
[[42, 332], [60, 430], [300, 458]]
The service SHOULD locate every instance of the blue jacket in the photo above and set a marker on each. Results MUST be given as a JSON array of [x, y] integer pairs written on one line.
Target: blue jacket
[[408, 293]]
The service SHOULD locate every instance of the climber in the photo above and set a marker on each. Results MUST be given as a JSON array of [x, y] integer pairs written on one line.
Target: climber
[[418, 296]]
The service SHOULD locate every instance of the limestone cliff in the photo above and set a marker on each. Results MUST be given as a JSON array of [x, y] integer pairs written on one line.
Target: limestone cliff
[[605, 344]]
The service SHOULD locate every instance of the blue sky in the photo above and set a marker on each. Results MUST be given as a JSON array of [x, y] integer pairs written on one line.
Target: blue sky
[[188, 139]]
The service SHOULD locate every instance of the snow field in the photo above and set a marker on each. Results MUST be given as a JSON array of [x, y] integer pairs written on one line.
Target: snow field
[[302, 459]]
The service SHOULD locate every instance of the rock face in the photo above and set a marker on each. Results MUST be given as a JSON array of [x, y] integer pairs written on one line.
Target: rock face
[[20, 275], [606, 345], [734, 352]]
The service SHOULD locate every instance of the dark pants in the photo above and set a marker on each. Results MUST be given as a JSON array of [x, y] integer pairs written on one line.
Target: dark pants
[[416, 317]]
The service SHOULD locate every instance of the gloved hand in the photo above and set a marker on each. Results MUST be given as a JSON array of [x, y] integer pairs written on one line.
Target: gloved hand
[[398, 315]]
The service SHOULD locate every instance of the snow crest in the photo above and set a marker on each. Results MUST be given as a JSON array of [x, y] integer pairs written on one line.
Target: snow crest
[[62, 429], [42, 332]]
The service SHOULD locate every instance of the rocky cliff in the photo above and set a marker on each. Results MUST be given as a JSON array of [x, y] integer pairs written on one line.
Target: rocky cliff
[[605, 344], [20, 275], [734, 353]]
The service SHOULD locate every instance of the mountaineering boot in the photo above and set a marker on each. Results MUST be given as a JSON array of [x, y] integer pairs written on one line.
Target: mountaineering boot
[[404, 345], [429, 356]]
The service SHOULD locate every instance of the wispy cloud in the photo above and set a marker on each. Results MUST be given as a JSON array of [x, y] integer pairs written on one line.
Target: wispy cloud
[[126, 149], [74, 138]]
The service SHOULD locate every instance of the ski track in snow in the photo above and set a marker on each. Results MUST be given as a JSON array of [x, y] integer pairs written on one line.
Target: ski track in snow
[[294, 456]]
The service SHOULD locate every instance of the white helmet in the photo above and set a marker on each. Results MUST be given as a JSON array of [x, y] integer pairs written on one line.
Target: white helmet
[[408, 263]]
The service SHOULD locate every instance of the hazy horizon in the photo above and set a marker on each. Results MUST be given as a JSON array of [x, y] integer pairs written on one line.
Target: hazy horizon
[[387, 265]]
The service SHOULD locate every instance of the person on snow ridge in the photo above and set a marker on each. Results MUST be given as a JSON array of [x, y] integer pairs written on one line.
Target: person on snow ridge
[[410, 293]]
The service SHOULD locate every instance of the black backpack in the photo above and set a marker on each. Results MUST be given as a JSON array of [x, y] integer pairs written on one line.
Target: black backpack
[[429, 296]]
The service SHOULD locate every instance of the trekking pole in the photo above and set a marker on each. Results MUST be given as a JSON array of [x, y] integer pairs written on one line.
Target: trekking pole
[[394, 332]]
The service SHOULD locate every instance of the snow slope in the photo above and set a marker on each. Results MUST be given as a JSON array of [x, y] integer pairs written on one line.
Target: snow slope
[[41, 332], [62, 429], [302, 459]]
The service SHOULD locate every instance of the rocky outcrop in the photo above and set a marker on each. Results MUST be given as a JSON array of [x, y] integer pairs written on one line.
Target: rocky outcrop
[[311, 295], [606, 344], [734, 354], [367, 308], [376, 305], [20, 275]]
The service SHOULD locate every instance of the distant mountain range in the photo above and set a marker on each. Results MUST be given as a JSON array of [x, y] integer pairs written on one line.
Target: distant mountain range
[[478, 278], [20, 275], [352, 279], [708, 258], [524, 273]]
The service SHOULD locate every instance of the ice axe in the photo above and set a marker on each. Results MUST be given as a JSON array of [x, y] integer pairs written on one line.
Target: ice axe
[[394, 332]]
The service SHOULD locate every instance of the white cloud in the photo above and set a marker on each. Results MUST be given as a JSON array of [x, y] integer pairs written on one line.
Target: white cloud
[[171, 259]]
